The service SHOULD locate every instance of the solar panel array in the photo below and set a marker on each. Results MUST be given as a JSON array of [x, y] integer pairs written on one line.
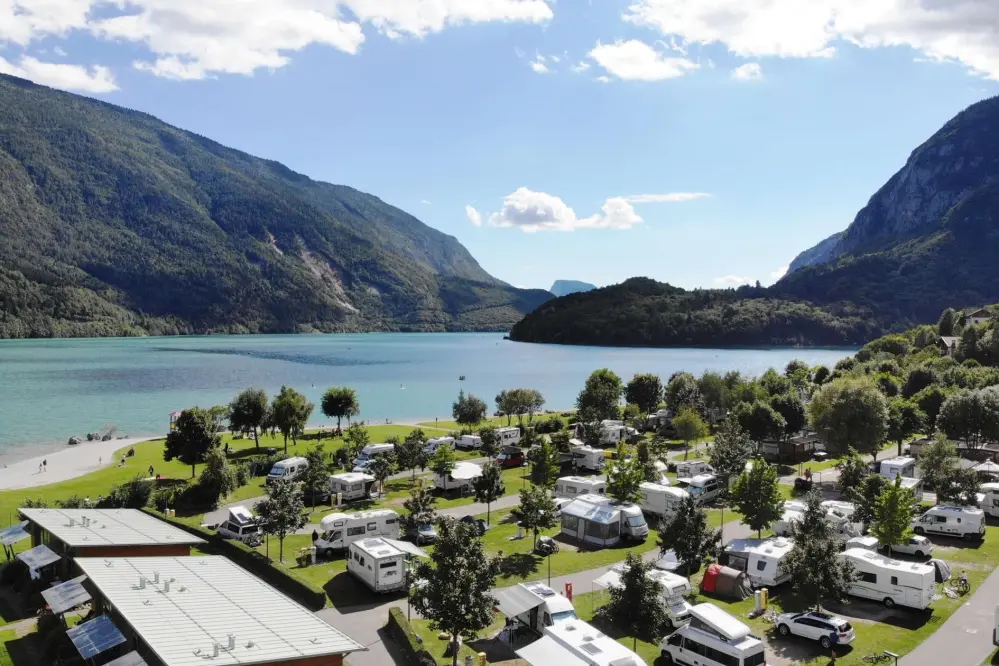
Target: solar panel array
[[65, 596], [93, 637], [38, 557], [13, 534], [130, 659]]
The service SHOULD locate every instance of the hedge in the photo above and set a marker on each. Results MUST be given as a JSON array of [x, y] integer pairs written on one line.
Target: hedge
[[285, 580], [402, 633]]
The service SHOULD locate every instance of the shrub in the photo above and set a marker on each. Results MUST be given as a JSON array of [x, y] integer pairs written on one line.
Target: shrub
[[132, 495], [243, 473], [29, 503], [14, 573], [402, 633], [74, 502], [550, 425]]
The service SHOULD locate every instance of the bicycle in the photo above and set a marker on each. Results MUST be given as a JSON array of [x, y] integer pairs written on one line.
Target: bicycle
[[877, 658], [769, 616], [962, 586]]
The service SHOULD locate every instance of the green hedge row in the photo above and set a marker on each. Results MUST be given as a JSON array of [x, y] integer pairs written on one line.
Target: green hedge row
[[402, 633], [298, 589]]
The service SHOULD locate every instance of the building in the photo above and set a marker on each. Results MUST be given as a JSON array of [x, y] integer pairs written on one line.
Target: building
[[977, 317], [183, 611], [948, 344], [105, 533]]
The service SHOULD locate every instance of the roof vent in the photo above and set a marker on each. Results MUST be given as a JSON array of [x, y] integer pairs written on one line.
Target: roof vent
[[166, 587], [249, 644], [232, 642], [156, 577], [72, 522], [215, 649], [142, 582]]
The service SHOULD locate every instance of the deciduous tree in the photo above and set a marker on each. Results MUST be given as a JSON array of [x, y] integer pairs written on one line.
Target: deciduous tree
[[468, 410], [852, 471], [756, 495], [544, 464], [291, 411], [281, 512], [892, 513], [817, 571], [850, 412], [248, 411], [217, 479], [636, 605], [356, 438], [731, 450], [420, 509], [192, 436], [410, 454], [905, 419], [865, 496], [760, 420], [490, 442], [316, 477], [682, 391], [537, 510], [600, 397], [340, 402], [382, 468], [689, 427], [443, 461], [686, 533], [489, 486], [624, 477], [792, 410], [937, 464], [646, 391]]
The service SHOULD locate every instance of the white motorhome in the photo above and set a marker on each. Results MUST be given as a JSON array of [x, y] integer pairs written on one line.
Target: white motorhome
[[508, 436], [339, 530], [842, 526], [460, 478], [578, 643], [350, 486], [469, 442], [990, 499], [661, 501], [611, 432], [368, 453], [688, 469], [846, 511], [704, 488], [241, 525], [573, 486], [586, 457], [661, 418], [955, 521], [381, 563], [904, 467], [287, 470], [534, 606], [890, 581], [599, 520], [437, 442], [672, 587], [762, 559], [713, 638]]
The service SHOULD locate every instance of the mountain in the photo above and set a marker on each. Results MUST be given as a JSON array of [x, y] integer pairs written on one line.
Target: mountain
[[925, 241], [565, 287], [115, 223]]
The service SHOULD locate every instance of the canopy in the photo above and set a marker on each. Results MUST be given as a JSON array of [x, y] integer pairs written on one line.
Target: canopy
[[987, 467], [609, 579], [547, 651], [14, 533], [130, 659], [464, 471], [406, 547], [38, 557], [516, 600], [240, 515], [94, 637], [65, 596]]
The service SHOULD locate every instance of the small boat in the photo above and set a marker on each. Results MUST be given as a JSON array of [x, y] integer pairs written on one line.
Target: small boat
[[461, 378]]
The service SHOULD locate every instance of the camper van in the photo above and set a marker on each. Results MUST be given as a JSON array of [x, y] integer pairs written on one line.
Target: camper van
[[381, 563], [843, 526], [661, 418], [845, 510], [673, 588], [437, 442], [350, 486], [954, 521], [287, 470], [368, 453], [599, 520], [578, 643], [509, 436], [688, 469], [704, 488], [890, 581], [611, 432], [241, 526], [893, 467], [339, 530], [762, 559], [713, 638], [460, 478], [587, 458], [534, 606], [572, 486], [469, 442], [659, 500], [990, 499]]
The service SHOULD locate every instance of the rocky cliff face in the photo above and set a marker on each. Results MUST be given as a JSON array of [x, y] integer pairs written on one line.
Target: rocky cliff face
[[819, 254]]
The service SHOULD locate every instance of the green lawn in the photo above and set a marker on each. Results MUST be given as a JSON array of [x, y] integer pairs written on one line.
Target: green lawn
[[495, 421], [437, 647]]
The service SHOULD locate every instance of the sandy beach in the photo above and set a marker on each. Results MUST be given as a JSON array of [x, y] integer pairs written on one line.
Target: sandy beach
[[67, 463]]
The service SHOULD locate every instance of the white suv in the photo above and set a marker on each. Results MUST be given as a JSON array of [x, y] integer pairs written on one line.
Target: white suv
[[816, 626]]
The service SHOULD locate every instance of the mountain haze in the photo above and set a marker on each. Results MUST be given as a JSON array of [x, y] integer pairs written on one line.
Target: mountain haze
[[116, 223]]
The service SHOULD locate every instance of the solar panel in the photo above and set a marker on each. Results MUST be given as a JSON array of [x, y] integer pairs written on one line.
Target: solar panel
[[13, 534], [64, 596], [38, 557], [93, 637], [130, 659]]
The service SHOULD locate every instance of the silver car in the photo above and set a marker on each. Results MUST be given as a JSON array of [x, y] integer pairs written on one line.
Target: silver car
[[816, 626]]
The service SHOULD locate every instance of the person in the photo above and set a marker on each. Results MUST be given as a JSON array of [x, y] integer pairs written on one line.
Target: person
[[122, 461], [964, 580], [39, 468], [45, 465], [152, 472], [315, 536], [100, 459], [833, 643]]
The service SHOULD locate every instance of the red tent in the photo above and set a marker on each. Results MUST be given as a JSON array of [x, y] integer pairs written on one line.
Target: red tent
[[726, 582]]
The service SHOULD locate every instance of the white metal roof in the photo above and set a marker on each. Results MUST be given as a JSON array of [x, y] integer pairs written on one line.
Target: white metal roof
[[775, 547], [583, 507], [546, 652], [583, 480], [240, 515], [328, 521], [464, 471], [727, 625], [678, 493], [518, 599], [107, 527], [592, 646], [352, 477], [898, 461], [702, 479], [208, 599], [383, 547]]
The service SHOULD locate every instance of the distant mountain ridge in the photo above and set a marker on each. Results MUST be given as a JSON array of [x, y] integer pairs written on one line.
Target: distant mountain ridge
[[565, 287], [116, 223]]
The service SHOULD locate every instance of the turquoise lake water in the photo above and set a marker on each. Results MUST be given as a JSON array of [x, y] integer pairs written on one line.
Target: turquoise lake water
[[52, 389]]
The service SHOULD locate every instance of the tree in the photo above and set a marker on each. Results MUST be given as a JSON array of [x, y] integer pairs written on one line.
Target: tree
[[281, 512], [646, 391], [731, 450], [420, 509], [248, 411], [219, 414], [537, 510], [760, 420], [561, 440], [850, 412], [544, 464], [930, 400], [340, 402], [817, 571], [600, 396], [792, 410], [682, 391], [636, 605], [947, 322], [490, 441], [382, 468], [686, 533], [316, 477], [971, 416], [291, 411], [689, 427], [937, 464], [820, 374], [624, 477], [505, 404], [410, 454], [757, 497], [643, 459], [905, 419], [488, 486], [193, 435], [918, 378], [455, 583], [519, 401], [865, 496], [774, 383], [468, 410], [962, 488], [892, 513], [443, 461], [852, 471], [356, 438], [217, 479], [968, 347], [533, 402], [714, 390]]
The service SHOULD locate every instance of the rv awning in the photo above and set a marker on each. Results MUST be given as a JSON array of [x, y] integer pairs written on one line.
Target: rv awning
[[609, 579], [406, 547], [513, 601], [546, 651]]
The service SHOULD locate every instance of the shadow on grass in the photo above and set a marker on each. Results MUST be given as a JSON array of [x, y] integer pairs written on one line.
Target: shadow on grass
[[24, 651], [349, 595], [951, 542], [519, 565]]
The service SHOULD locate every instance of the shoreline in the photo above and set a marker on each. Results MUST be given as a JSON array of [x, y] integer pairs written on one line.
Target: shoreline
[[68, 463]]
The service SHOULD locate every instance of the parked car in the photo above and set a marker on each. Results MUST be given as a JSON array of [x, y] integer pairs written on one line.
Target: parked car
[[919, 546], [479, 524], [510, 458], [816, 626], [426, 534]]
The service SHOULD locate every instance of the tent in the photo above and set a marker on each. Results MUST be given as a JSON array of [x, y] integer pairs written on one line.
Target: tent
[[987, 468], [726, 582], [941, 570]]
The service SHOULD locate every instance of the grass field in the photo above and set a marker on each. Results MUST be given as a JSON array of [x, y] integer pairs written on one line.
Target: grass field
[[437, 647], [495, 421]]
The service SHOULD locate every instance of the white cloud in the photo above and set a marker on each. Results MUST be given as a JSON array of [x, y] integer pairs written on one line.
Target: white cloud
[[733, 280], [965, 31], [780, 272], [419, 18], [474, 216], [671, 197], [425, 202], [539, 67], [634, 60], [97, 79], [581, 66], [59, 51], [604, 79], [539, 211], [751, 71]]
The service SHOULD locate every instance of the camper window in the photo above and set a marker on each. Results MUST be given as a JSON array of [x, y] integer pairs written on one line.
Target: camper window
[[390, 521], [758, 659], [354, 531], [360, 560], [761, 565], [675, 639], [372, 527], [636, 521], [869, 577], [548, 620], [570, 522], [333, 536], [894, 580], [940, 519], [387, 565]]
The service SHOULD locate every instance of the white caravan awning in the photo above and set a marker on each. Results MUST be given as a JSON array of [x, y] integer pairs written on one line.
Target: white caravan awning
[[514, 601], [406, 547], [546, 651], [609, 579]]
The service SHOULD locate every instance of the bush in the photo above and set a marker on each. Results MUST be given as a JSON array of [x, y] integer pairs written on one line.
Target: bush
[[29, 503], [402, 633], [261, 465], [243, 473], [74, 502], [549, 426], [14, 573], [168, 497], [132, 495]]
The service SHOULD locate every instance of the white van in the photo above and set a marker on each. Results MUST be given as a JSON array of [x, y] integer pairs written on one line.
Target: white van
[[381, 563], [990, 499], [688, 469], [534, 605], [437, 442], [587, 458], [339, 530], [704, 488], [368, 453], [713, 638], [890, 581], [571, 486], [469, 442], [955, 521], [661, 501], [287, 470], [350, 486], [241, 525], [761, 559], [460, 478], [509, 436]]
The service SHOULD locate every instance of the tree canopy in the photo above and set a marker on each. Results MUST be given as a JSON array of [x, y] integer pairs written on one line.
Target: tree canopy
[[850, 412], [340, 402], [248, 412], [193, 435], [601, 396]]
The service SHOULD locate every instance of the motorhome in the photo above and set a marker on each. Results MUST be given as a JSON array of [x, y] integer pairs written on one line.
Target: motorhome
[[587, 458], [843, 526], [904, 467], [713, 638], [763, 560], [469, 442], [599, 520], [846, 510], [573, 486], [240, 525], [509, 436], [688, 469], [437, 442], [381, 563], [611, 432], [460, 478], [990, 499], [704, 488], [890, 581], [368, 453], [580, 644], [955, 521], [661, 418], [350, 486], [534, 606], [339, 530], [287, 470], [661, 501], [673, 588]]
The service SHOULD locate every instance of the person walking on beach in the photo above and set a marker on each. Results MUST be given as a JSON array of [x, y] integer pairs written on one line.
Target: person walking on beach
[[39, 468], [45, 465]]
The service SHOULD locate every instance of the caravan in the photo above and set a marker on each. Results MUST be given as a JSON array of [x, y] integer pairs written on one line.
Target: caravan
[[350, 486], [437, 442], [841, 523], [990, 499], [890, 581], [578, 643], [572, 486], [611, 432], [460, 478], [469, 442], [661, 501], [381, 563], [904, 467], [673, 588], [598, 520], [287, 470], [339, 530], [586, 458], [761, 559], [368, 453], [688, 469], [534, 606], [954, 521], [509, 436], [713, 638]]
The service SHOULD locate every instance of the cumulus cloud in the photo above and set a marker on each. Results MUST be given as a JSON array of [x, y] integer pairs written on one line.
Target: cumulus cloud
[[539, 66], [474, 216], [733, 280], [580, 67], [425, 202], [964, 31], [634, 60], [96, 79], [751, 71]]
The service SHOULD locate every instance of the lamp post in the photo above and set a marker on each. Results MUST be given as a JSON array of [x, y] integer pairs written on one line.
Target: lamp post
[[409, 589]]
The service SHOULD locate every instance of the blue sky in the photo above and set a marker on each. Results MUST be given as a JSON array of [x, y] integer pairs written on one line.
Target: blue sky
[[699, 142]]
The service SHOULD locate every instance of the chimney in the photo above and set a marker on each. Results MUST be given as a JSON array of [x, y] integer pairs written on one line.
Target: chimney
[[156, 577], [215, 649], [166, 586], [142, 582], [232, 642]]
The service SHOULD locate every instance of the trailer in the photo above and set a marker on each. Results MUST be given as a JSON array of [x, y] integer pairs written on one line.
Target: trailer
[[762, 559], [889, 581], [460, 478], [350, 486], [381, 563], [469, 442], [508, 436], [586, 457], [673, 589], [573, 486], [661, 501], [339, 530], [597, 520], [688, 469]]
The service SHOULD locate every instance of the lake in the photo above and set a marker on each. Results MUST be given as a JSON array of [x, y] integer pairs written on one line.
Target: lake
[[52, 389]]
